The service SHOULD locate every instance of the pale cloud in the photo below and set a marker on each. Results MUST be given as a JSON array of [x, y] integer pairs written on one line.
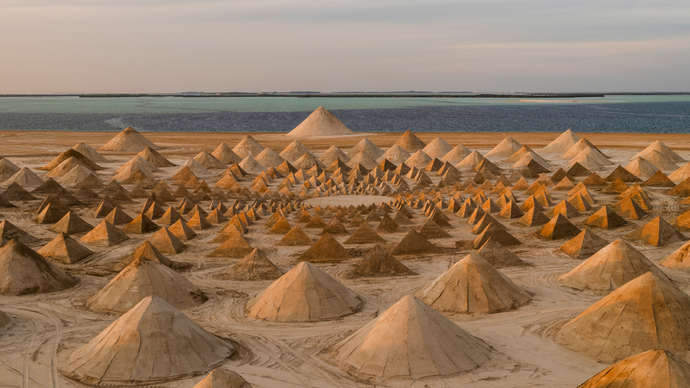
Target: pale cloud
[[266, 45]]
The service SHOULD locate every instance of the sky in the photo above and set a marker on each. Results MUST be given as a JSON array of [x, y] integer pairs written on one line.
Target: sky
[[167, 46]]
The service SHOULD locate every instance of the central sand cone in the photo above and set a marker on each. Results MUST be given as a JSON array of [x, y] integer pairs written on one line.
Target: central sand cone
[[583, 245], [473, 286], [23, 272], [254, 266], [378, 262], [653, 368], [152, 343], [223, 378], [562, 143], [505, 148], [679, 259], [64, 249], [611, 267], [326, 248], [647, 313], [321, 122], [304, 294], [144, 278], [410, 142], [128, 140], [411, 339]]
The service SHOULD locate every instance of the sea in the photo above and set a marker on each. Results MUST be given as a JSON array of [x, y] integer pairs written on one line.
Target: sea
[[612, 113]]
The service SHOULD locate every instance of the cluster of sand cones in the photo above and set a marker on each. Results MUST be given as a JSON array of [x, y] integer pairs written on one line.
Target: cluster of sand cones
[[232, 198]]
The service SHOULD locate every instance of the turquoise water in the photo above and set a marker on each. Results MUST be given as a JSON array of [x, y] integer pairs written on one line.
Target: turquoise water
[[615, 113], [162, 105]]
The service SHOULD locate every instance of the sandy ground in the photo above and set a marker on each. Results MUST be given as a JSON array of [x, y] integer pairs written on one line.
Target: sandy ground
[[47, 328]]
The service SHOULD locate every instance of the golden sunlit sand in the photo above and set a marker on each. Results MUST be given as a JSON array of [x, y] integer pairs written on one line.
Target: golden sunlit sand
[[377, 259]]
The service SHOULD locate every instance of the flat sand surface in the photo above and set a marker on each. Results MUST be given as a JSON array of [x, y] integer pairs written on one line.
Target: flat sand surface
[[47, 328]]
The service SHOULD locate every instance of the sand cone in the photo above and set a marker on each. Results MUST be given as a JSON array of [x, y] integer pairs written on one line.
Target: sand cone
[[583, 245], [182, 231], [255, 266], [223, 378], [23, 272], [143, 278], [414, 243], [679, 259], [321, 122], [364, 234], [605, 218], [128, 140], [378, 262], [147, 251], [610, 268], [326, 248], [295, 237], [64, 249], [140, 225], [558, 228], [498, 256], [472, 286], [153, 342], [657, 232], [9, 231], [646, 313], [410, 142], [105, 234], [304, 294], [235, 245], [166, 242], [411, 340], [653, 368]]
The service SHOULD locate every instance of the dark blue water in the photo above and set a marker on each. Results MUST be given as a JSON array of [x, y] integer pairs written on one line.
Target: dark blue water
[[638, 117]]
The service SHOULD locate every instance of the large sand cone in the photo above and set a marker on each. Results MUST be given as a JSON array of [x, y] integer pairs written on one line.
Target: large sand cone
[[657, 232], [326, 248], [410, 142], [414, 243], [234, 246], [505, 148], [144, 278], [152, 343], [610, 268], [64, 249], [364, 234], [145, 250], [378, 262], [558, 228], [472, 286], [90, 153], [105, 234], [499, 256], [661, 148], [583, 245], [321, 122], [8, 231], [653, 368], [223, 378], [562, 143], [646, 313], [304, 294], [412, 340], [679, 259], [295, 237], [254, 266], [128, 140], [23, 271]]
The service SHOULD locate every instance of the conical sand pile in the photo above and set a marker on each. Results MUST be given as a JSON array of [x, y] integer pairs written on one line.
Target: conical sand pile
[[105, 234], [247, 146], [657, 232], [152, 343], [583, 245], [641, 167], [504, 149], [562, 143], [661, 148], [368, 147], [254, 266], [410, 142], [412, 340], [321, 122], [646, 313], [304, 294], [395, 155], [90, 153], [326, 248], [610, 268], [223, 378], [23, 272], [378, 262], [472, 286], [499, 256], [143, 278], [437, 148], [269, 158], [7, 169], [653, 368], [128, 140], [64, 249]]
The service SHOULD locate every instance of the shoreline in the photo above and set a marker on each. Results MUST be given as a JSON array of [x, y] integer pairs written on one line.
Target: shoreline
[[34, 143]]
